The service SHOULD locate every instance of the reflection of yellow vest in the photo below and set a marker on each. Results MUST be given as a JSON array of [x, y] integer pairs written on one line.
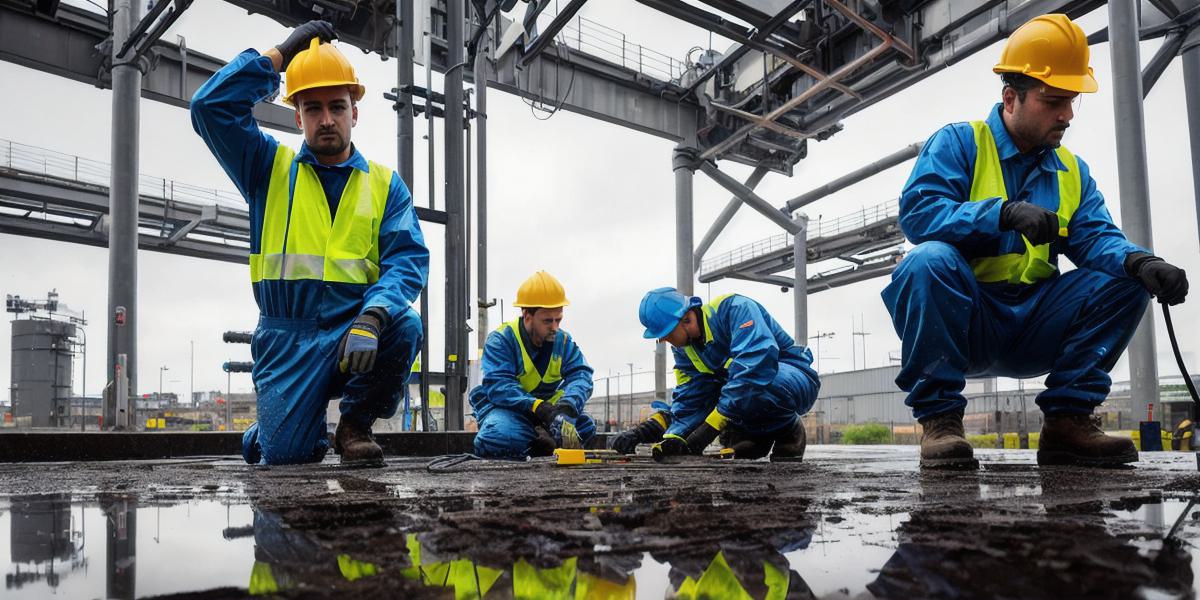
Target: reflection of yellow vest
[[529, 378], [719, 581], [987, 181], [468, 579], [301, 240]]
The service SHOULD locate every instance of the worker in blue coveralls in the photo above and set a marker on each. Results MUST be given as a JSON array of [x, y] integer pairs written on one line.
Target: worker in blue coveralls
[[336, 252], [738, 375], [535, 380], [990, 205]]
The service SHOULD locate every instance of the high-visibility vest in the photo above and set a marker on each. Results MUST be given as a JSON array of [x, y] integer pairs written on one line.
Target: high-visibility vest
[[539, 384], [987, 181], [719, 581], [706, 311], [301, 240]]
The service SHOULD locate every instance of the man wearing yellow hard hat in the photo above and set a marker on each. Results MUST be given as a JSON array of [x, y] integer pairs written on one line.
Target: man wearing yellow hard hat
[[535, 380], [990, 206], [336, 251]]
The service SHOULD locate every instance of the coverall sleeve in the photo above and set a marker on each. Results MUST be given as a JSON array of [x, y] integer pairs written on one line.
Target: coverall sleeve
[[500, 372], [693, 398], [403, 257], [222, 113], [753, 350], [934, 205], [1093, 240], [577, 377]]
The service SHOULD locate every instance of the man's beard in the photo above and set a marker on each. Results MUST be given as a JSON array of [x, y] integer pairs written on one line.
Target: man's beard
[[331, 148]]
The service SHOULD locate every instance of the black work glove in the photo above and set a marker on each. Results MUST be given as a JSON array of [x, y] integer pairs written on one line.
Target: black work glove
[[647, 431], [1037, 224], [701, 437], [1162, 279], [360, 345], [301, 37], [544, 411], [671, 445]]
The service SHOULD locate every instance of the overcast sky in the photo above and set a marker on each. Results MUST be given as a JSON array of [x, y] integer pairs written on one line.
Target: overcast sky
[[590, 202]]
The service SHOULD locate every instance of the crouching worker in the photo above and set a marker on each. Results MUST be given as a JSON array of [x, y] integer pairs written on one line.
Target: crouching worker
[[336, 252], [738, 375], [535, 380]]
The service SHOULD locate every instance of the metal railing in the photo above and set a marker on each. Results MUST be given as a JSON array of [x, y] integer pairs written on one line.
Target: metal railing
[[32, 159], [854, 221], [592, 38]]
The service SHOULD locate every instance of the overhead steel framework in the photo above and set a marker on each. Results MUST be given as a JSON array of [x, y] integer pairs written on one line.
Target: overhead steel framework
[[795, 70]]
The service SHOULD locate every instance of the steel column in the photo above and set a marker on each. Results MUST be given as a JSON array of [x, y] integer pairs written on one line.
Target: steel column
[[123, 198], [1134, 184], [800, 279], [683, 162], [1191, 86], [456, 269], [482, 54], [726, 215]]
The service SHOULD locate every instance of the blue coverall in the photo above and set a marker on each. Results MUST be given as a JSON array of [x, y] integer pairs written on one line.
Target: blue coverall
[[760, 379], [505, 410], [1072, 325], [302, 321]]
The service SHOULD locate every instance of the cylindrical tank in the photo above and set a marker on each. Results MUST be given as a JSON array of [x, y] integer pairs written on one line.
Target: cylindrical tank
[[42, 355]]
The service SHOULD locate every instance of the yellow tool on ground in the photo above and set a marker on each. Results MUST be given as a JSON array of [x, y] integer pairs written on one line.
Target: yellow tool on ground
[[570, 456]]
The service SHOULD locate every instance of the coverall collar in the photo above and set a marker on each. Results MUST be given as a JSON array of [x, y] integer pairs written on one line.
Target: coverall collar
[[1046, 158], [356, 159]]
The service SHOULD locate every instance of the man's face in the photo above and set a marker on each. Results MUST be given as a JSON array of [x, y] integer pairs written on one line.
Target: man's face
[[685, 332], [542, 324], [326, 115], [1041, 119]]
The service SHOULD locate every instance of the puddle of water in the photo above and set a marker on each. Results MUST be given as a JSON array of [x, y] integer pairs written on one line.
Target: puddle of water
[[115, 547], [994, 492], [1158, 516]]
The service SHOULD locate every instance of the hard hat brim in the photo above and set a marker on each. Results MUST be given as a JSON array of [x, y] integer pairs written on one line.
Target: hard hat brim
[[1083, 84], [357, 90], [551, 305]]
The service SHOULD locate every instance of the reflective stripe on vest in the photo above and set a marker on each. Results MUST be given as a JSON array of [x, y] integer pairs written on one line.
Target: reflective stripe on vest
[[708, 310], [987, 181], [529, 378], [300, 240]]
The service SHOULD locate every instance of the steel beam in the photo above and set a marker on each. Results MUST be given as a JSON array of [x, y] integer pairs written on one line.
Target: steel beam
[[1191, 86], [1134, 185], [747, 195], [854, 177], [456, 267], [723, 219], [1161, 60], [544, 38], [66, 46]]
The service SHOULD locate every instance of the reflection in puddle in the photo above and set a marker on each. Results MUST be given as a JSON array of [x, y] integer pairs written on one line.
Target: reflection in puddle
[[113, 547]]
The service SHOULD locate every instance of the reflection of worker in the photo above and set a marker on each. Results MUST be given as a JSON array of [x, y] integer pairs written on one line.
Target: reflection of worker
[[990, 205], [745, 571], [287, 559], [737, 373], [535, 380], [649, 431], [336, 252]]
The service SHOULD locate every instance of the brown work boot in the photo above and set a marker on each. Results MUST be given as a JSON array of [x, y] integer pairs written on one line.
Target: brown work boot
[[1078, 440], [356, 445], [542, 444], [789, 445], [744, 445], [943, 444]]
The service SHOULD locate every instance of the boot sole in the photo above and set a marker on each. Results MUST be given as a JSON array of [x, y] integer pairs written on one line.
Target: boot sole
[[787, 459], [1059, 457], [950, 464]]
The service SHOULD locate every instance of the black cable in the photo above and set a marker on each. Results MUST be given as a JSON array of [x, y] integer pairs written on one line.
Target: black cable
[[1187, 379]]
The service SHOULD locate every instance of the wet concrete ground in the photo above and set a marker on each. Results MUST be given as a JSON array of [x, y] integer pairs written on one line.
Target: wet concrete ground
[[849, 522]]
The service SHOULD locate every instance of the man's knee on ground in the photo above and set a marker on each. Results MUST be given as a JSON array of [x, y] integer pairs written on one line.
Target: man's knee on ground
[[930, 257], [294, 454]]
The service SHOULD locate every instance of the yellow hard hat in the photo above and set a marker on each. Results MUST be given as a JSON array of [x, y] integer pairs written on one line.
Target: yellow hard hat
[[1053, 49], [321, 65], [541, 290]]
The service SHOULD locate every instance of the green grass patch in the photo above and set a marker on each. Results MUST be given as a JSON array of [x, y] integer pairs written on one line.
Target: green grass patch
[[867, 433]]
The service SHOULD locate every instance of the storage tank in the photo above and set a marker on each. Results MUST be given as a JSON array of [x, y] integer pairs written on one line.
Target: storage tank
[[42, 352]]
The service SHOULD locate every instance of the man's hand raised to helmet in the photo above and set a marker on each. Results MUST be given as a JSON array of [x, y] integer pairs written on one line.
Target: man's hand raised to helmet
[[301, 37]]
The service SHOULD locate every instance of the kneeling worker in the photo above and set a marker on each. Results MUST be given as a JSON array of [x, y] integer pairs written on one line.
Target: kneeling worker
[[535, 380], [738, 374]]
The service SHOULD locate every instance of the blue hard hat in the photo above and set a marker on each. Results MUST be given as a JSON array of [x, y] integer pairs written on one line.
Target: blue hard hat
[[661, 310]]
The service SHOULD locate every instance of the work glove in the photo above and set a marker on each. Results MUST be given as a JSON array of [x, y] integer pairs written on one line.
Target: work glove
[[301, 37], [1037, 224], [671, 445], [559, 421], [650, 430], [1162, 279], [360, 346]]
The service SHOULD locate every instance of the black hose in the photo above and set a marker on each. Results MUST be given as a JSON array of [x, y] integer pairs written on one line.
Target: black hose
[[1187, 378]]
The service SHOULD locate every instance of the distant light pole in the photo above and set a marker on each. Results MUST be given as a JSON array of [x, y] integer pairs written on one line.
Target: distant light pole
[[192, 373], [160, 379], [630, 392], [818, 337]]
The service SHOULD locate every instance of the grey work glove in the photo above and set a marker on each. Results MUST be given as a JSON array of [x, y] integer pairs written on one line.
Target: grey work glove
[[1038, 225], [301, 37], [1163, 280], [360, 345]]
